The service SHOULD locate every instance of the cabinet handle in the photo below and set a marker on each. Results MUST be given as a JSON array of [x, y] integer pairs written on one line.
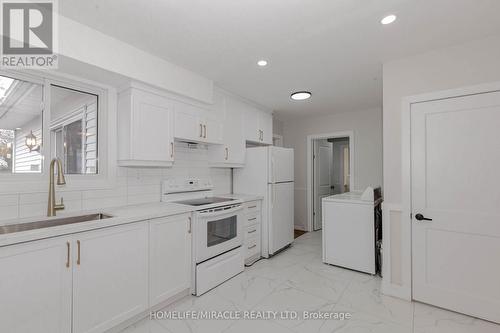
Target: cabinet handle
[[250, 207], [171, 149], [252, 219], [251, 247], [189, 225], [205, 130], [227, 153], [68, 245], [78, 251], [201, 130], [252, 231]]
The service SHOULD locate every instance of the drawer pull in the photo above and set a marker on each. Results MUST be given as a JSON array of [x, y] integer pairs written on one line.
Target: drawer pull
[[68, 254], [78, 262], [250, 207], [252, 219], [251, 232], [251, 247]]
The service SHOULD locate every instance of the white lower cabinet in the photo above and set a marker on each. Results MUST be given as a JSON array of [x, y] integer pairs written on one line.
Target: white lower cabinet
[[252, 237], [170, 257], [93, 281], [110, 276], [35, 287]]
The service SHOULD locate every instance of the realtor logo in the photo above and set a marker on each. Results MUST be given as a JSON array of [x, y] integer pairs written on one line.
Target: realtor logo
[[28, 34]]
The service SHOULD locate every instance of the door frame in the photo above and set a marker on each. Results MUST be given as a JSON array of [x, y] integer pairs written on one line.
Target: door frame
[[404, 290], [309, 189]]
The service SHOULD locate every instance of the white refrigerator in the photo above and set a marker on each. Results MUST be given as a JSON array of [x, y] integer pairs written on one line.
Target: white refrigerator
[[268, 172]]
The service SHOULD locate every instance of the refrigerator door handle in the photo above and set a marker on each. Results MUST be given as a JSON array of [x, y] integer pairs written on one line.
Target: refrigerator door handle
[[273, 170], [274, 195]]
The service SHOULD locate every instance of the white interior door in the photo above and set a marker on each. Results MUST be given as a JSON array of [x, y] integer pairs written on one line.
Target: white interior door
[[340, 168], [456, 183], [322, 177]]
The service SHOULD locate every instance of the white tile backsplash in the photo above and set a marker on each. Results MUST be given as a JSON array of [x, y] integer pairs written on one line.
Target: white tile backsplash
[[133, 186]]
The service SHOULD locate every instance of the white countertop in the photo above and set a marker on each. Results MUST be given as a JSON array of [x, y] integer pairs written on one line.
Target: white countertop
[[242, 197], [121, 215]]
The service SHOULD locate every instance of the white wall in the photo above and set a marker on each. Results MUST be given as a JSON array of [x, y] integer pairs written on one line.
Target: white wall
[[453, 67], [84, 44], [367, 127]]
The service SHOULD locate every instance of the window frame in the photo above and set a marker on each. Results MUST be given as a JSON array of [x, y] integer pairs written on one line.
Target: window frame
[[106, 105]]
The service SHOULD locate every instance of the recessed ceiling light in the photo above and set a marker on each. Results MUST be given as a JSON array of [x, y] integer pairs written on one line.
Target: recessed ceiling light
[[388, 19], [262, 63], [300, 95]]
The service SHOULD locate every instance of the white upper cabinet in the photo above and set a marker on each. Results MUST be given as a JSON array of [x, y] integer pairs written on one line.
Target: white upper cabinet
[[145, 129], [258, 126], [197, 124], [266, 126], [232, 152]]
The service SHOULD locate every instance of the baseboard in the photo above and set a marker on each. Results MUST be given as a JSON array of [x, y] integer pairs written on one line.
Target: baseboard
[[397, 291], [300, 227], [120, 327]]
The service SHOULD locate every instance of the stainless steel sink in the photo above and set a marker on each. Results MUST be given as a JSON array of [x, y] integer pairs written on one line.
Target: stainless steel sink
[[7, 229]]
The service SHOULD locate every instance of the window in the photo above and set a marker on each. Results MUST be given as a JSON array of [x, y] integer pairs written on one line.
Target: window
[[20, 126], [73, 128], [42, 118]]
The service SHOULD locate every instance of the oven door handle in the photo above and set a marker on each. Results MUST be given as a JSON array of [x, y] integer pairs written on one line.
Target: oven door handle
[[220, 212]]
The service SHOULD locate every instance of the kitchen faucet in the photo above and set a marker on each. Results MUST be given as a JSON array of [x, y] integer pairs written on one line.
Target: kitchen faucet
[[52, 207]]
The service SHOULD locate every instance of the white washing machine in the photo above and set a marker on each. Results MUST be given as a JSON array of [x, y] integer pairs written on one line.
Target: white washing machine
[[352, 230]]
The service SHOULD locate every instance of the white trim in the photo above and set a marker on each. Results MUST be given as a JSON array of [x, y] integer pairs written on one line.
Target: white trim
[[310, 138], [406, 237]]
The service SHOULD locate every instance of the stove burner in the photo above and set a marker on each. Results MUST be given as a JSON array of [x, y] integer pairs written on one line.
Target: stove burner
[[203, 201]]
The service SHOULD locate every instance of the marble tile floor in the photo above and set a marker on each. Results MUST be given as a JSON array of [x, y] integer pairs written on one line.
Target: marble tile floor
[[296, 280]]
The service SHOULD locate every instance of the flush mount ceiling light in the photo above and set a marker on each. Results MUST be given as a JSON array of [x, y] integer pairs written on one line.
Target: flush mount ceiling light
[[300, 95], [262, 63], [388, 19]]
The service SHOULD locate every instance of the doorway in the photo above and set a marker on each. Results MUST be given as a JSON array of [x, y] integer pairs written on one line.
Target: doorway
[[329, 171]]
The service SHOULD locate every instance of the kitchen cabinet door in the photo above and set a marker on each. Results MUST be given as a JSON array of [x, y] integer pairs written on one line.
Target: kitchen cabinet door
[[252, 123], [213, 128], [188, 123], [170, 257], [196, 124], [110, 276], [232, 152], [145, 129], [35, 287], [266, 126]]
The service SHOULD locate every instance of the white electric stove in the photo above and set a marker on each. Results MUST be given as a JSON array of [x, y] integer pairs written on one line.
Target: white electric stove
[[217, 227]]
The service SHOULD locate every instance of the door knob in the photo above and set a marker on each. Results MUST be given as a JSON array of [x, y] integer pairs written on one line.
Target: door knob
[[420, 217]]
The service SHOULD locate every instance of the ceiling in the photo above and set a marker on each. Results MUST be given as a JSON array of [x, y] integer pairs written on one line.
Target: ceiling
[[334, 48]]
